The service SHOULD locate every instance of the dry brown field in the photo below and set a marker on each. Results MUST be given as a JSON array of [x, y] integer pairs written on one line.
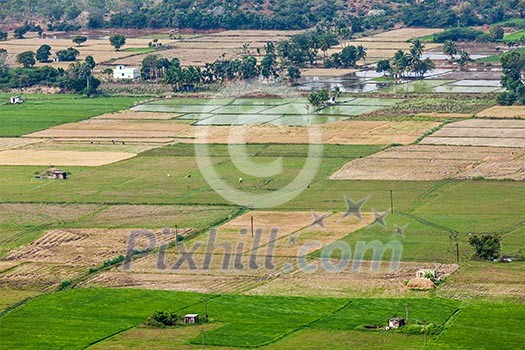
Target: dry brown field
[[427, 163], [115, 129], [16, 142], [480, 132], [348, 132], [69, 253], [52, 158], [503, 112]]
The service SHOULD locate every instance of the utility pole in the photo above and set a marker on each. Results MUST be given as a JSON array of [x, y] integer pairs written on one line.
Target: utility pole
[[406, 313], [457, 252], [202, 335], [392, 201]]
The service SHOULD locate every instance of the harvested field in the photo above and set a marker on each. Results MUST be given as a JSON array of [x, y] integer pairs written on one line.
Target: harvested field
[[39, 276], [61, 158], [84, 247], [403, 34], [343, 132], [445, 116], [131, 115], [16, 142], [86, 146], [116, 129], [65, 254], [480, 132], [203, 49], [425, 163], [503, 112], [180, 282], [99, 48], [236, 262], [349, 283], [334, 229]]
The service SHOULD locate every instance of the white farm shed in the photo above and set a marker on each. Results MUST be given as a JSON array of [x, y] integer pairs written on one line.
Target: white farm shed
[[123, 72]]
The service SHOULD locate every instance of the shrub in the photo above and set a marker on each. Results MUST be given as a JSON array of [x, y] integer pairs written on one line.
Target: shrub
[[162, 319], [64, 284], [488, 247], [507, 98]]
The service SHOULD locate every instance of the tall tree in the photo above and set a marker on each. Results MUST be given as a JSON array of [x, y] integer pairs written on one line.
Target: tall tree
[[43, 53], [450, 48], [117, 41], [26, 59], [79, 39], [361, 53]]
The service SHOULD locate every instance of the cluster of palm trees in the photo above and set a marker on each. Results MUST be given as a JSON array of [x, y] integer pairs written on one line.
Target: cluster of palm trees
[[450, 49], [407, 64]]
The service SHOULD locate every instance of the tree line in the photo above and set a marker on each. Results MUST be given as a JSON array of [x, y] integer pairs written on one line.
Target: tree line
[[77, 78], [284, 14]]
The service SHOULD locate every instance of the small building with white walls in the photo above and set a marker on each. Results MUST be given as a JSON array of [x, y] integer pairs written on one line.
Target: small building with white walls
[[123, 72]]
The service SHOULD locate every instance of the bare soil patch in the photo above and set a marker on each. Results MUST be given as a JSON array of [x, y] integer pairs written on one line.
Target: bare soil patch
[[430, 163], [61, 158]]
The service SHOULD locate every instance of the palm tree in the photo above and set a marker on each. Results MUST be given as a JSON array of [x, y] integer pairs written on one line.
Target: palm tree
[[450, 49], [361, 53], [417, 48], [400, 63]]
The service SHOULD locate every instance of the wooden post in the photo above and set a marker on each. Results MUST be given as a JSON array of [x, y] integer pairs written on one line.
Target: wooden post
[[457, 252], [251, 221]]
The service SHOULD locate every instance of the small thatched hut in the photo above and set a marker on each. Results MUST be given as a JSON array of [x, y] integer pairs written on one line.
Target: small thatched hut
[[421, 284]]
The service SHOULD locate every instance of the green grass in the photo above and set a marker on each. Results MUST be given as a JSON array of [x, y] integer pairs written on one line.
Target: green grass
[[362, 312], [513, 22], [144, 179], [90, 315], [485, 326], [497, 58], [426, 38], [139, 49], [44, 111], [77, 318], [515, 36]]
